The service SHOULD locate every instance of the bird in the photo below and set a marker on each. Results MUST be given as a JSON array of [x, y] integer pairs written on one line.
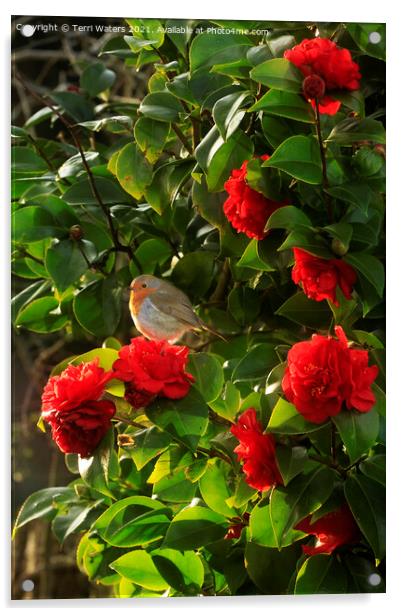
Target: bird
[[160, 311]]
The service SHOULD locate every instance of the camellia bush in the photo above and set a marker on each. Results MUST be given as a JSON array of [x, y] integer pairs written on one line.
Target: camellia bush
[[251, 176]]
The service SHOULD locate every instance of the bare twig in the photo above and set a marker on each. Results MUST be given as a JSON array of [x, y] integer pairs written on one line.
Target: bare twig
[[71, 129]]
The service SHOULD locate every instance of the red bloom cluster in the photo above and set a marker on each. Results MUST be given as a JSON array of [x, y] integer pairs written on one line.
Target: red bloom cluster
[[320, 277], [245, 208], [332, 530], [71, 405], [328, 63], [257, 451], [323, 373], [152, 368]]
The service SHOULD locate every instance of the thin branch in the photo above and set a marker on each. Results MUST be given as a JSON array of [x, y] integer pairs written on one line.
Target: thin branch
[[130, 422], [44, 100], [214, 453], [327, 198], [182, 138]]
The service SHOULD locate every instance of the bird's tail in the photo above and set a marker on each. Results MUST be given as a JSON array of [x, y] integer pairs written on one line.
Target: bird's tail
[[211, 330]]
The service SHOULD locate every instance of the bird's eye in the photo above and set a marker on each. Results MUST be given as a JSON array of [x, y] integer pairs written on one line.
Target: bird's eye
[[144, 285]]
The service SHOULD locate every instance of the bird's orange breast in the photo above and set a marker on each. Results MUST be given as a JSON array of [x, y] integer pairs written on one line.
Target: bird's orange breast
[[136, 299]]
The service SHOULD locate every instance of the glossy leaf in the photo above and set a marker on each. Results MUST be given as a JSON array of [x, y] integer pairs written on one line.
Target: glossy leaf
[[279, 74], [185, 419], [366, 499], [299, 157], [358, 431], [193, 527]]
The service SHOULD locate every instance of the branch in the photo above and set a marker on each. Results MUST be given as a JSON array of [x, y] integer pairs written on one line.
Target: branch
[[182, 138], [44, 100]]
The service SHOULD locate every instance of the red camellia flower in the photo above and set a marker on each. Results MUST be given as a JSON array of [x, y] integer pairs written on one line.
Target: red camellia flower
[[245, 208], [332, 530], [323, 373], [71, 405], [152, 368], [257, 451], [326, 68], [319, 278]]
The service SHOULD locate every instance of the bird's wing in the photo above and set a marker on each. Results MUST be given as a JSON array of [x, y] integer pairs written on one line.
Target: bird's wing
[[178, 307]]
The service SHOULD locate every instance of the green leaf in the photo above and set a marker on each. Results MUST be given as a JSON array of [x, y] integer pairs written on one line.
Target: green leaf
[[74, 165], [288, 217], [65, 263], [80, 193], [244, 304], [162, 106], [228, 404], [33, 223], [95, 470], [302, 496], [350, 131], [227, 114], [42, 504], [139, 567], [357, 193], [96, 78], [279, 74], [194, 527], [254, 257], [271, 570], [42, 315], [26, 161], [98, 307], [193, 272], [208, 49], [291, 461], [321, 574], [133, 521], [260, 526], [208, 373], [151, 136], [77, 107], [358, 431], [374, 468], [76, 519], [149, 443], [214, 488], [183, 571], [298, 156], [366, 500], [151, 253], [256, 364], [362, 35], [230, 155], [285, 419], [133, 170], [370, 268], [186, 419], [300, 309], [284, 105]]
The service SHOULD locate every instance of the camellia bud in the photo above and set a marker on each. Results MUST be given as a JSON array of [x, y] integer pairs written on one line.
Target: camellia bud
[[338, 247], [314, 87], [76, 232]]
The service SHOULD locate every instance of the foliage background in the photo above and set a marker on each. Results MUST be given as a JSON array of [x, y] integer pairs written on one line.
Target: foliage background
[[247, 301]]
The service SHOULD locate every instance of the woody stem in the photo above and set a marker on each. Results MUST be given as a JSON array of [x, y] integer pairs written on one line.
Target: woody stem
[[325, 182]]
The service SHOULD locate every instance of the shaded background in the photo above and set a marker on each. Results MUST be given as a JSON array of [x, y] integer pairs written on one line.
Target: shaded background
[[48, 61]]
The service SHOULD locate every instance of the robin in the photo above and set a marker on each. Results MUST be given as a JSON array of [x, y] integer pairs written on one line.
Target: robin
[[160, 311]]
